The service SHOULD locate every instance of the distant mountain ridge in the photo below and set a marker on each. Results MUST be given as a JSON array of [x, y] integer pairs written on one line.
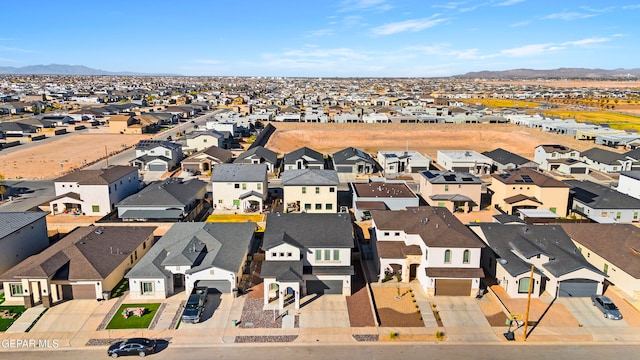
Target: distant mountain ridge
[[58, 69], [554, 73]]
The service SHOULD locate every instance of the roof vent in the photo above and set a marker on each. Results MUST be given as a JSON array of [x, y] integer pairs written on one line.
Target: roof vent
[[503, 261], [99, 231]]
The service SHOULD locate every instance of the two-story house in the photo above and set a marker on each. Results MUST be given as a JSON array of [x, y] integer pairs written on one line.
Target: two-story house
[[22, 234], [203, 161], [398, 163], [351, 163], [94, 192], [606, 161], [199, 140], [310, 190], [157, 155], [381, 194], [306, 254], [259, 155], [303, 158], [505, 160], [457, 191], [192, 254], [239, 186], [430, 245], [554, 157], [465, 161], [526, 188], [629, 183], [602, 204]]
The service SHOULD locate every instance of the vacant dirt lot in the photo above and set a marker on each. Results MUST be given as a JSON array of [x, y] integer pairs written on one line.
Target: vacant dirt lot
[[394, 312], [42, 161], [425, 138]]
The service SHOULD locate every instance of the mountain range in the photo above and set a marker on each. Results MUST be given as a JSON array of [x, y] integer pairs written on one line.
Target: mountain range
[[58, 69], [554, 73]]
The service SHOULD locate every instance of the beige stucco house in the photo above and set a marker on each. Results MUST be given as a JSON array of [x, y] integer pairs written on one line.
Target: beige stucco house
[[310, 190]]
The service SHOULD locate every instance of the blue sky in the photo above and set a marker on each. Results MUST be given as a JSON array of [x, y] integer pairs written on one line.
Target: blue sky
[[360, 38]]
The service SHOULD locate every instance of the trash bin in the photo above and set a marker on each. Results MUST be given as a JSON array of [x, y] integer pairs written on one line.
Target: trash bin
[[234, 323], [509, 336]]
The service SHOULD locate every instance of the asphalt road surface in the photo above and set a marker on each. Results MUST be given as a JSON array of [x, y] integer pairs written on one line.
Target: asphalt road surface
[[375, 351]]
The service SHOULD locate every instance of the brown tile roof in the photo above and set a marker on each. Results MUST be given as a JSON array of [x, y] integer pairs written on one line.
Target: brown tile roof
[[396, 249], [457, 273], [383, 190], [531, 176], [98, 177], [371, 205], [436, 226], [84, 254], [619, 244], [517, 198]]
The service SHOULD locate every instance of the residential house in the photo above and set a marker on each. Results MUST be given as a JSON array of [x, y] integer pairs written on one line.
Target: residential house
[[602, 204], [303, 158], [311, 190], [505, 160], [629, 183], [617, 257], [22, 234], [169, 200], [525, 188], [544, 154], [558, 267], [306, 254], [193, 254], [606, 161], [239, 186], [200, 140], [94, 192], [204, 160], [17, 129], [457, 191], [430, 245], [465, 161], [128, 124], [259, 155], [398, 163], [351, 163], [88, 263], [157, 155], [381, 194]]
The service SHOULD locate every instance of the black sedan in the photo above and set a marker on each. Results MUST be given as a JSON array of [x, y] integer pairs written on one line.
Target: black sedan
[[133, 346]]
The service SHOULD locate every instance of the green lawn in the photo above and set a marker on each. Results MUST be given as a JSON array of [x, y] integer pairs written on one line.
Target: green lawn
[[133, 322], [5, 323], [235, 218]]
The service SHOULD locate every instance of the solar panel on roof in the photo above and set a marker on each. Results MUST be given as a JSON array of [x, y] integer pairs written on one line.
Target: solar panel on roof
[[526, 178], [504, 176]]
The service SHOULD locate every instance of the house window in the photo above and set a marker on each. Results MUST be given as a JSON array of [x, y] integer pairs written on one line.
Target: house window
[[259, 186], [131, 258], [386, 233], [327, 254], [440, 204], [273, 286], [244, 186], [523, 286], [135, 254], [144, 245], [16, 290], [318, 255], [317, 190], [329, 206], [635, 215], [219, 201], [147, 287], [204, 140], [167, 153], [605, 269], [307, 206], [446, 187], [236, 186], [318, 206], [236, 202], [447, 256], [304, 189], [553, 210], [95, 208], [289, 254], [282, 254], [336, 254], [618, 215], [274, 254], [465, 257], [397, 233]]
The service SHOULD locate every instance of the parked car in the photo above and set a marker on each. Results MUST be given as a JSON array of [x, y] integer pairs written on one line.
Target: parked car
[[195, 305], [133, 346], [608, 308]]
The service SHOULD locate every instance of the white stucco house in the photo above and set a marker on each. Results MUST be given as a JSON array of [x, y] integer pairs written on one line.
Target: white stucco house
[[465, 161], [22, 234], [239, 186], [310, 190]]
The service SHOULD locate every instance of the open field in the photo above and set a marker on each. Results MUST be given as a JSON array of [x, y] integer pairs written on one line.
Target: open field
[[503, 103], [42, 161], [424, 138], [615, 120]]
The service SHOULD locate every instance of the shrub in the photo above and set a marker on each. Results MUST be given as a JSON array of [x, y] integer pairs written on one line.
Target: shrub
[[393, 335], [439, 335]]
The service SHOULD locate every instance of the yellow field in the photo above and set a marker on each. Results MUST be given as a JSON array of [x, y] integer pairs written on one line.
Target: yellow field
[[235, 218], [615, 120], [503, 103]]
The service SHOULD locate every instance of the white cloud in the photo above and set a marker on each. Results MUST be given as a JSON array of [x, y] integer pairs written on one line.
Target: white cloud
[[452, 5], [508, 3], [568, 16], [631, 7], [521, 23], [474, 7], [408, 25], [361, 5], [321, 33], [586, 41], [530, 50]]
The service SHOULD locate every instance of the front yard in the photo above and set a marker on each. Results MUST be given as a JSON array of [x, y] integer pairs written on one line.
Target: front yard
[[9, 314], [132, 320], [397, 307]]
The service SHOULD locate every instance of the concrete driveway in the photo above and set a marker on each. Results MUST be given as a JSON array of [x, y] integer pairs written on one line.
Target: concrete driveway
[[587, 314], [463, 319], [325, 311], [73, 316], [216, 313]]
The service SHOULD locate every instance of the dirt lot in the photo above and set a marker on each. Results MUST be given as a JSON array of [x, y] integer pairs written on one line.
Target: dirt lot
[[425, 138], [395, 312], [42, 161]]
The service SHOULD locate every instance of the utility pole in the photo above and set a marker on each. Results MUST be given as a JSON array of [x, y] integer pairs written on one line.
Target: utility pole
[[526, 315]]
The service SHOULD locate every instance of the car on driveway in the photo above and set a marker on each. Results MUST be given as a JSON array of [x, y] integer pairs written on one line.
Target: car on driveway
[[133, 346], [608, 308]]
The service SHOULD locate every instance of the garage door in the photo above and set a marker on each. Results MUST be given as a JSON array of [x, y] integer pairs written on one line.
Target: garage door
[[157, 167], [453, 287], [324, 287], [216, 286], [460, 169], [87, 291], [578, 288], [344, 169], [578, 170]]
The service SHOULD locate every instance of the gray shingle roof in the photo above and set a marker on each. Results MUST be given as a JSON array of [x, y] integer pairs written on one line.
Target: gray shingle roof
[[260, 152], [171, 192], [98, 177], [316, 157], [282, 270], [14, 221], [504, 157], [597, 196], [239, 172], [150, 144], [309, 230], [352, 155], [310, 177], [603, 156]]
